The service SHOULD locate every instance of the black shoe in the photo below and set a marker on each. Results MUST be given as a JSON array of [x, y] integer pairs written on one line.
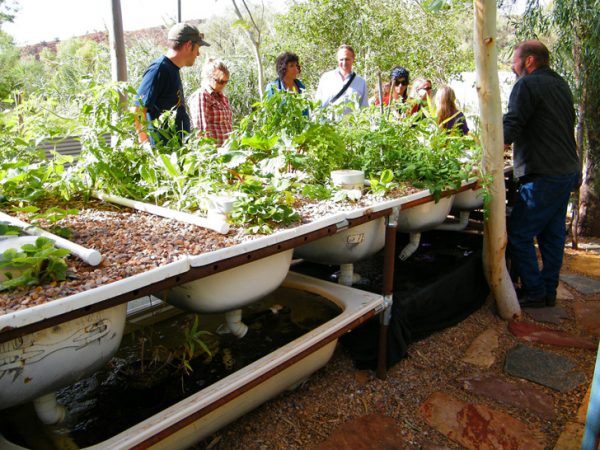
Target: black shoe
[[530, 301]]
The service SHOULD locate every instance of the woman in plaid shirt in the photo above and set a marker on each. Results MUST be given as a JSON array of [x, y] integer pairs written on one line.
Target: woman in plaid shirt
[[209, 107]]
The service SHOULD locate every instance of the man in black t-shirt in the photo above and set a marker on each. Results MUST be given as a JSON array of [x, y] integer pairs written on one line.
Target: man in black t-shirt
[[161, 88]]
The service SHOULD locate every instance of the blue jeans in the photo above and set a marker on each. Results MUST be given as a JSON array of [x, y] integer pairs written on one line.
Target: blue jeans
[[539, 212]]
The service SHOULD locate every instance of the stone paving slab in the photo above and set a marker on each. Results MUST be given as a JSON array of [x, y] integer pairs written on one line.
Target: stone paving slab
[[587, 316], [586, 264], [583, 284], [481, 351], [532, 332], [554, 315], [477, 426], [542, 367], [519, 395], [562, 292], [365, 433]]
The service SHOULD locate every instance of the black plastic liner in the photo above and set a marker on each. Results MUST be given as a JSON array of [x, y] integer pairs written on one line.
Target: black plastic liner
[[440, 285]]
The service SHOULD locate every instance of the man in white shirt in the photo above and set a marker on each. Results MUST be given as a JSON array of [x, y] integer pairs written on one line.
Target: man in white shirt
[[342, 85]]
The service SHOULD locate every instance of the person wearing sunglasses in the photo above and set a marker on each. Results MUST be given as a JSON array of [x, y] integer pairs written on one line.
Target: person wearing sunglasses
[[420, 94], [161, 89], [400, 78], [209, 107], [288, 69]]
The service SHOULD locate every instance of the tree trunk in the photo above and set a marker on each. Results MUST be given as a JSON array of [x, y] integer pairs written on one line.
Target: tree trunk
[[589, 201], [255, 40], [488, 89]]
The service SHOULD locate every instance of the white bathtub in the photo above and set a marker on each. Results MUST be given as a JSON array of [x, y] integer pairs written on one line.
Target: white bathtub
[[425, 216], [41, 362], [203, 413], [232, 288], [347, 246]]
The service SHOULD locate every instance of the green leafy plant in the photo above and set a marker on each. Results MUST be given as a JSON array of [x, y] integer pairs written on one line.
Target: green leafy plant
[[385, 183], [33, 264]]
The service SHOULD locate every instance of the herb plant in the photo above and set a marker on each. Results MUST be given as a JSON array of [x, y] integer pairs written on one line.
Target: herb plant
[[33, 264]]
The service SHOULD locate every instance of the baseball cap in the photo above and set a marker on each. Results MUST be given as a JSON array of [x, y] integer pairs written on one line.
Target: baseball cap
[[183, 32]]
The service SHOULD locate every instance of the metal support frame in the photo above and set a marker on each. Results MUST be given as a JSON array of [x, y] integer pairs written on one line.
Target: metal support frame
[[388, 290]]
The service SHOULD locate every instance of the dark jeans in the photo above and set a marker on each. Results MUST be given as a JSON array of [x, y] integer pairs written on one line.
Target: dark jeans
[[540, 210]]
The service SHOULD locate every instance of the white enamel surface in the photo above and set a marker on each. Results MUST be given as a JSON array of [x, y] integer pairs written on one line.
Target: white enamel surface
[[347, 246], [86, 298], [425, 216], [355, 304], [469, 199], [232, 288], [41, 362]]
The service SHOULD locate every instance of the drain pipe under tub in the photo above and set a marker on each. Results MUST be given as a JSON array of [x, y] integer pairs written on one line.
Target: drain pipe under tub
[[458, 226], [411, 247], [385, 316], [347, 275], [234, 324], [48, 410]]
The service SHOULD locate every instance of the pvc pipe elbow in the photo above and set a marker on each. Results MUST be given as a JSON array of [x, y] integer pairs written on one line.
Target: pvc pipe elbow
[[235, 324], [459, 226], [411, 247], [48, 410]]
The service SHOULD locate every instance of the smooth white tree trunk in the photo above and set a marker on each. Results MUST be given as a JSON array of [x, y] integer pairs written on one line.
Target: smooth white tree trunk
[[488, 89]]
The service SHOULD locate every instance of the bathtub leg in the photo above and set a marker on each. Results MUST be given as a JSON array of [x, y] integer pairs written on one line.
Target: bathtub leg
[[411, 247]]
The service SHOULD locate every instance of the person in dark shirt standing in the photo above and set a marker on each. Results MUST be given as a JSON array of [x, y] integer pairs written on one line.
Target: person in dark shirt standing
[[540, 124], [161, 88]]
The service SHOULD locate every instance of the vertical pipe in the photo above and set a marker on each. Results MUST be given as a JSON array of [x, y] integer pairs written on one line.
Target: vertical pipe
[[117, 43], [591, 434], [388, 289]]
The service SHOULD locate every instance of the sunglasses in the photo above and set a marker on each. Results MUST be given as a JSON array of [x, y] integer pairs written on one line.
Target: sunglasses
[[221, 81], [400, 82]]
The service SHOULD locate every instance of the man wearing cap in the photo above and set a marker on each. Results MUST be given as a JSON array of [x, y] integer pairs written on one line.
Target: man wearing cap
[[161, 88], [343, 85]]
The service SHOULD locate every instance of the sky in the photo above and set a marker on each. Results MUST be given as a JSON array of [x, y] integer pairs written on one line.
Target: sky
[[46, 20]]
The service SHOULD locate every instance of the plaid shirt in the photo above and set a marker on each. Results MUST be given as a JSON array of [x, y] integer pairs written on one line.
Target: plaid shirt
[[211, 114]]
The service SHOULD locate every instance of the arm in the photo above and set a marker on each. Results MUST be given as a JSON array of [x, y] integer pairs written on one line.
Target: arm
[[364, 95], [139, 117], [520, 108]]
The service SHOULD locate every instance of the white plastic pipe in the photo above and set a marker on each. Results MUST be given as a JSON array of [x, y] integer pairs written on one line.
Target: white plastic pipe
[[411, 247], [235, 324], [89, 255], [458, 226], [48, 410], [347, 276], [220, 226]]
